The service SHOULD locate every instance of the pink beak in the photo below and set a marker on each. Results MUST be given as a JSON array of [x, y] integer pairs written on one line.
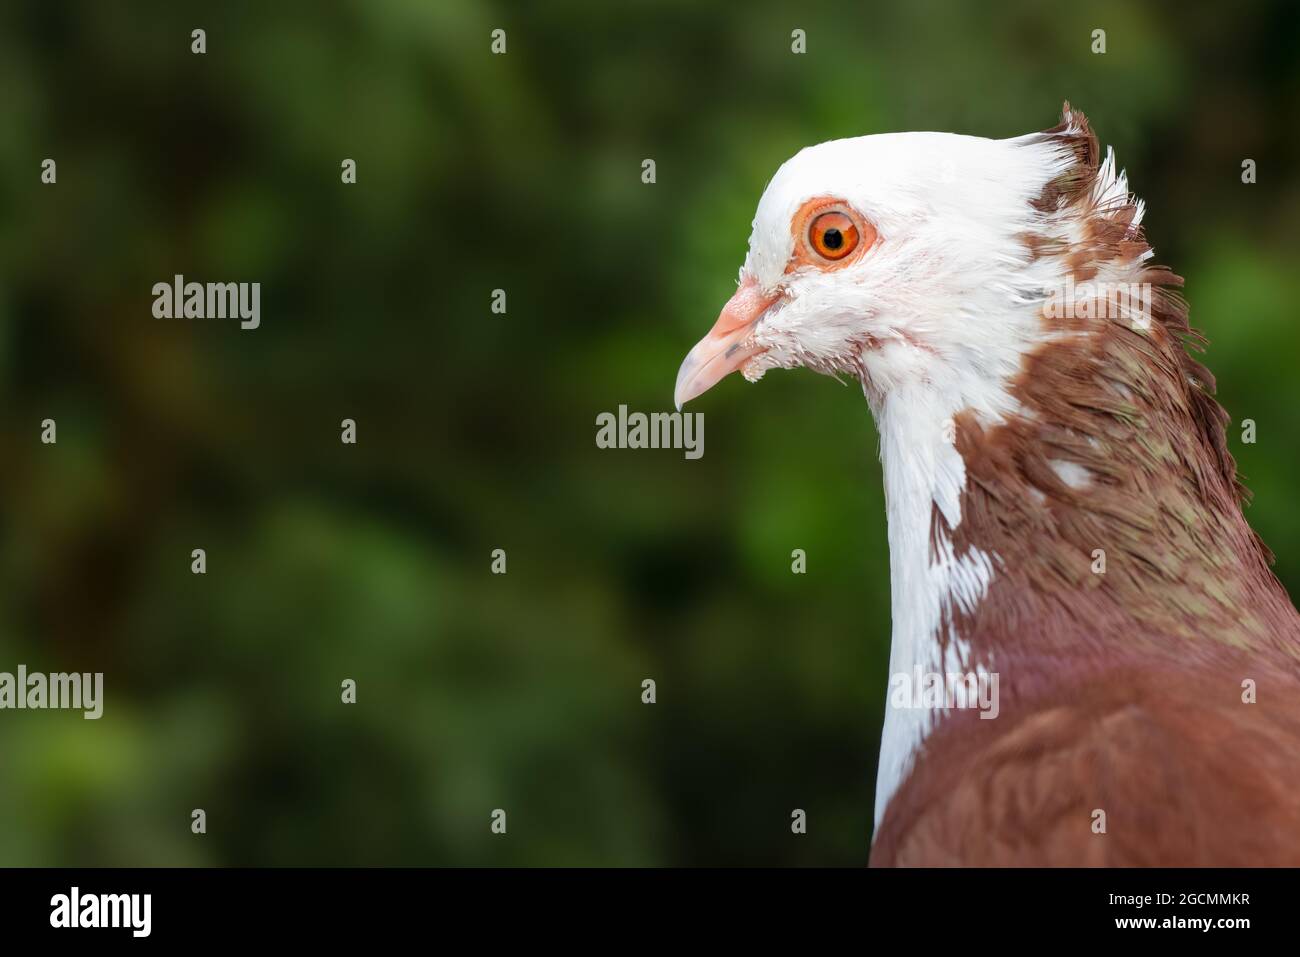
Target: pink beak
[[724, 349]]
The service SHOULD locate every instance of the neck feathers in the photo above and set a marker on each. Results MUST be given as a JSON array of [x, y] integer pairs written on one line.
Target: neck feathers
[[1110, 498], [1093, 511]]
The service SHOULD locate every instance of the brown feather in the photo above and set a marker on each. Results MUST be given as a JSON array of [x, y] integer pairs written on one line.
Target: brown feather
[[1121, 691]]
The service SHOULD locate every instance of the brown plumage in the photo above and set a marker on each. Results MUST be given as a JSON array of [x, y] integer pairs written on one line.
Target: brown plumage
[[1186, 774], [1064, 512], [1122, 692]]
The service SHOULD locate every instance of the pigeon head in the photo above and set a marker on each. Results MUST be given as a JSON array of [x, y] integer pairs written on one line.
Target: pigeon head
[[895, 259]]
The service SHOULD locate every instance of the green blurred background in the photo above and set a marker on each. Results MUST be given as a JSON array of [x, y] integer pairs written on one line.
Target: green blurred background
[[476, 431]]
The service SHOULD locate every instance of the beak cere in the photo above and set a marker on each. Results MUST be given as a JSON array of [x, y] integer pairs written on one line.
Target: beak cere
[[724, 349]]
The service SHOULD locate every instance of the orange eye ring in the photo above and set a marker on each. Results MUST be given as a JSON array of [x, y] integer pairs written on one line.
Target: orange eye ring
[[832, 235]]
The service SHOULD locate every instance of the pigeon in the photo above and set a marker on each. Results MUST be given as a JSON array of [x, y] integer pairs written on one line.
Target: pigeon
[[1064, 516]]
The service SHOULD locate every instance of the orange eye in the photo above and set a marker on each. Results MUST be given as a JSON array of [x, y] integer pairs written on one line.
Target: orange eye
[[832, 235]]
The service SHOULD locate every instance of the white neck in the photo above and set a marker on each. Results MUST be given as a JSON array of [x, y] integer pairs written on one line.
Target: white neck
[[922, 469]]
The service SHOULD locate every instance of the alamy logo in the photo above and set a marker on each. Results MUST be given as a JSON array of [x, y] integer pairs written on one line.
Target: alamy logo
[[179, 299], [934, 690], [35, 690], [1100, 300], [658, 430], [103, 910]]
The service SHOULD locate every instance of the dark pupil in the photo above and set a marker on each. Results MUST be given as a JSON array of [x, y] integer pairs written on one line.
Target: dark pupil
[[832, 239]]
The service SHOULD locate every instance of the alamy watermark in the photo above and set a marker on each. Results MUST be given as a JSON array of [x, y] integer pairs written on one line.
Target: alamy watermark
[[1100, 300], [657, 430], [179, 299], [75, 909], [36, 690], [936, 690]]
